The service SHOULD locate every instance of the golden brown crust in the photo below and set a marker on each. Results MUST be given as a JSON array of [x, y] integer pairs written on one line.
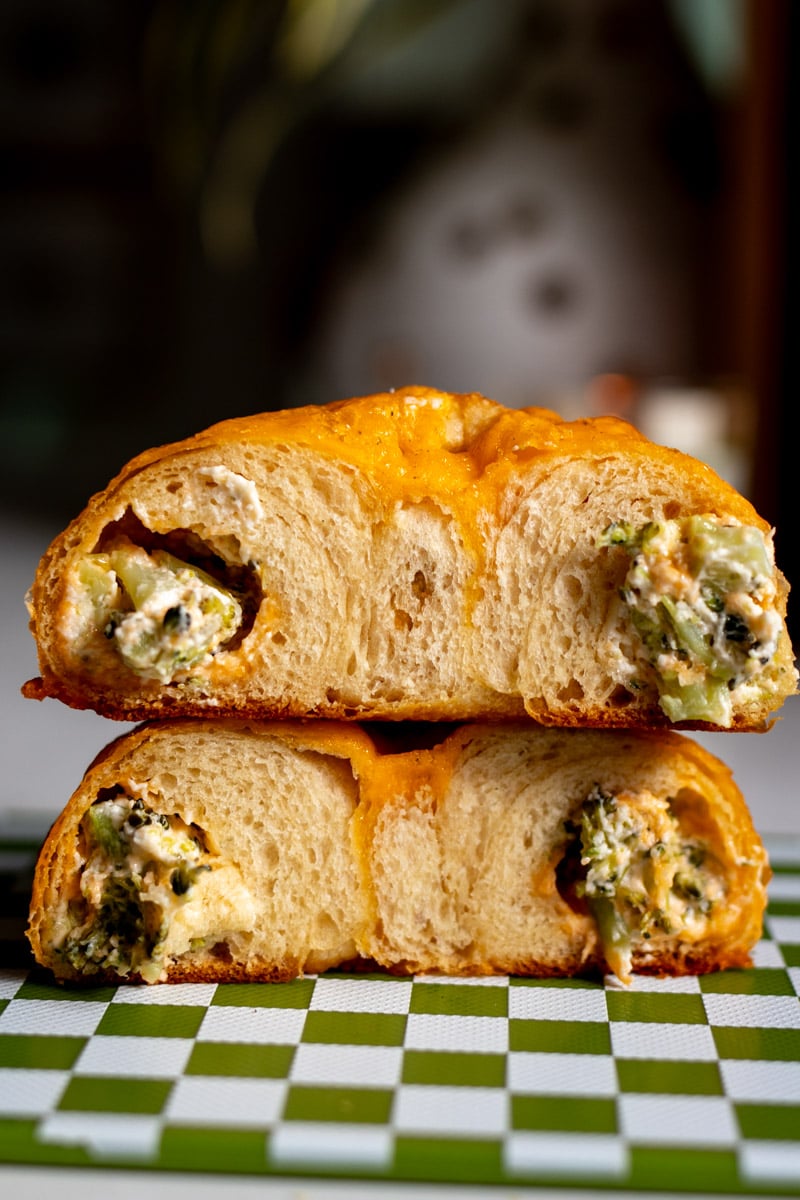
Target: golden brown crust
[[409, 452], [468, 471], [500, 709], [176, 707]]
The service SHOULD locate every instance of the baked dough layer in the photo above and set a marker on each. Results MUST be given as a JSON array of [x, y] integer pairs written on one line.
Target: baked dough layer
[[239, 850], [413, 555]]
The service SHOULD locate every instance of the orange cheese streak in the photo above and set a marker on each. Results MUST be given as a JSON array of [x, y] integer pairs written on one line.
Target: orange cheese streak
[[416, 444], [396, 778], [383, 779], [459, 452]]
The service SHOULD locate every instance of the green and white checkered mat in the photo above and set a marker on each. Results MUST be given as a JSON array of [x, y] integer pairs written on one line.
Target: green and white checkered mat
[[682, 1085]]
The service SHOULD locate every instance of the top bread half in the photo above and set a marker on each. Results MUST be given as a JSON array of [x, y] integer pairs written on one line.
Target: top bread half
[[417, 555]]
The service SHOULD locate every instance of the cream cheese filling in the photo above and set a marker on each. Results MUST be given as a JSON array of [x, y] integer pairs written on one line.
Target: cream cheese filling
[[163, 616], [701, 594], [149, 890], [643, 879]]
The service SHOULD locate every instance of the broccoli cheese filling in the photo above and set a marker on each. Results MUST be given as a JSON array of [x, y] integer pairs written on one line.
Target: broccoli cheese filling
[[162, 615], [702, 597], [641, 877], [141, 868]]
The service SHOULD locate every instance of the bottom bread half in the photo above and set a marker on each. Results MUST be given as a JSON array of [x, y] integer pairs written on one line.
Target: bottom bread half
[[234, 850]]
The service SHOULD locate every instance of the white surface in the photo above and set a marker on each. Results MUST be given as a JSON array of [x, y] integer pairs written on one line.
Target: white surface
[[130, 1185], [766, 767], [47, 746], [35, 1182]]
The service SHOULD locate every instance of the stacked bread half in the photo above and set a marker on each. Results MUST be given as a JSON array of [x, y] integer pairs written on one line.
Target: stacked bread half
[[408, 670]]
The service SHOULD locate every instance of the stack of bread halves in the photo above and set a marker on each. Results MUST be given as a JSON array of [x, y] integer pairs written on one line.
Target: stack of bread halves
[[408, 672]]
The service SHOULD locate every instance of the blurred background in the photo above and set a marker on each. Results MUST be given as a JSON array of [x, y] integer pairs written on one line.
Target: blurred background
[[215, 207], [212, 207]]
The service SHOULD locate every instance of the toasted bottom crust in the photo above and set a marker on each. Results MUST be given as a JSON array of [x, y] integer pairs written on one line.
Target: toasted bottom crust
[[669, 965], [505, 708]]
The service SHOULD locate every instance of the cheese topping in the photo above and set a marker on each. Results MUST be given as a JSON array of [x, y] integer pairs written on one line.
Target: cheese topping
[[701, 593]]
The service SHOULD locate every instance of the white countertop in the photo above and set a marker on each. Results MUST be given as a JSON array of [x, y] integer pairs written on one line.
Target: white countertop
[[35, 1182], [46, 746]]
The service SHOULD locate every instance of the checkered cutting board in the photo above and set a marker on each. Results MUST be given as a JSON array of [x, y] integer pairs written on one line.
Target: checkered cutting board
[[684, 1085]]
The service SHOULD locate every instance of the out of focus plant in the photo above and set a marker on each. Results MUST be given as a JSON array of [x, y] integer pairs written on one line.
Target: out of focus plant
[[229, 81]]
